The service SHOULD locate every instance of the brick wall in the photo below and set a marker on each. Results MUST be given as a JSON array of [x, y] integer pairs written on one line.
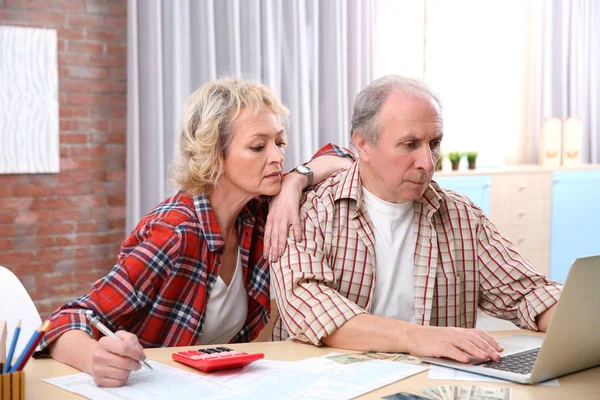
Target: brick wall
[[61, 232]]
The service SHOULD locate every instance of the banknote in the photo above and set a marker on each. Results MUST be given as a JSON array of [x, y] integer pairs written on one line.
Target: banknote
[[459, 392], [359, 357]]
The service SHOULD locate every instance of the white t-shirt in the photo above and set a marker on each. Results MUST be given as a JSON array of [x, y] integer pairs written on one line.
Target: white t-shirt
[[395, 241], [226, 309]]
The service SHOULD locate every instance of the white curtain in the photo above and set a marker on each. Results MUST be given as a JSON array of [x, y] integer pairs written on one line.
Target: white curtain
[[316, 55], [570, 83]]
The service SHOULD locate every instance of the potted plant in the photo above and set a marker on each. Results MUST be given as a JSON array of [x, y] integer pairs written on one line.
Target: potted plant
[[472, 158], [454, 157], [438, 164]]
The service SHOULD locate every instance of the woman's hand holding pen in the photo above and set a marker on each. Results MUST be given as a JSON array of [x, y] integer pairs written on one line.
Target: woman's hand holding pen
[[113, 360]]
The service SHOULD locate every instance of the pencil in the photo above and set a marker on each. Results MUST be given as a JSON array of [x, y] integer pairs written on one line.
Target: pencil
[[13, 346], [36, 338], [107, 332]]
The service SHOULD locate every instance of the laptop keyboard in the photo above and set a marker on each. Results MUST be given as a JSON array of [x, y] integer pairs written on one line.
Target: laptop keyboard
[[520, 363]]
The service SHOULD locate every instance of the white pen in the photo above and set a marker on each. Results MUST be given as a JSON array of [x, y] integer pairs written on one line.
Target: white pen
[[107, 332]]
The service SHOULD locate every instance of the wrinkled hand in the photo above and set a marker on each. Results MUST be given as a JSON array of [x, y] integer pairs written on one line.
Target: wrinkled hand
[[113, 360], [283, 212], [457, 343]]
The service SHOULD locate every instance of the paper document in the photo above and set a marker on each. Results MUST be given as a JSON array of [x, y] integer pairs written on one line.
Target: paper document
[[451, 374], [163, 382], [313, 378]]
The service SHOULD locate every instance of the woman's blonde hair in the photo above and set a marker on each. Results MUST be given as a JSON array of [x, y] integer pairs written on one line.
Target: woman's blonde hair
[[206, 129]]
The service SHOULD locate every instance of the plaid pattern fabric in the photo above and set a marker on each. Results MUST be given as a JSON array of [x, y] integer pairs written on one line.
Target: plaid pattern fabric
[[166, 269], [461, 262]]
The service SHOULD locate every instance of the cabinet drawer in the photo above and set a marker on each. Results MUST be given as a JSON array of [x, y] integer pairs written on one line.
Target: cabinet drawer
[[522, 186], [532, 237], [507, 212]]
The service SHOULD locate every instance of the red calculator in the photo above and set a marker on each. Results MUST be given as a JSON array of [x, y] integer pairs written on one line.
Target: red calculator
[[215, 358]]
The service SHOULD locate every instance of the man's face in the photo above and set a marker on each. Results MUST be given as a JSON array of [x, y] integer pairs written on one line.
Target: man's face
[[401, 165], [254, 160]]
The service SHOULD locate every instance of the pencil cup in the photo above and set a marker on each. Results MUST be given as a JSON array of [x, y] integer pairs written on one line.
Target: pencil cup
[[12, 385]]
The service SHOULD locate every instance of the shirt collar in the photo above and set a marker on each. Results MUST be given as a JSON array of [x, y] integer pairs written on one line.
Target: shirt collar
[[208, 221], [350, 187]]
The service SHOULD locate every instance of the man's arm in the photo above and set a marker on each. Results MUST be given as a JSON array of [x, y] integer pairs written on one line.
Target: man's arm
[[511, 287], [283, 208], [543, 320]]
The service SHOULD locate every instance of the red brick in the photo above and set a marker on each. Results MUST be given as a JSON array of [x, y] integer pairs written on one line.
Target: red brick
[[88, 151], [17, 257], [117, 175], [73, 112], [70, 85], [87, 72], [6, 244], [6, 217], [117, 74], [33, 191], [73, 138], [86, 20], [46, 19], [116, 22], [106, 35], [120, 62], [92, 124], [116, 138], [70, 33], [31, 217], [6, 191], [75, 176], [73, 59], [86, 99], [7, 230], [73, 5], [44, 241], [66, 215], [116, 49], [12, 203], [52, 203]]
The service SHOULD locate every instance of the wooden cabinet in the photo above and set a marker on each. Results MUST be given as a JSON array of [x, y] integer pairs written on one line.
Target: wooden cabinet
[[551, 215], [521, 211]]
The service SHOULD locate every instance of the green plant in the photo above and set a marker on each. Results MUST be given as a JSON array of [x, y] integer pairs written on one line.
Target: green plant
[[455, 156], [471, 155]]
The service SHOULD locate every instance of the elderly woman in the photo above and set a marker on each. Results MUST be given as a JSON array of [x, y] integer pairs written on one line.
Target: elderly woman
[[195, 269]]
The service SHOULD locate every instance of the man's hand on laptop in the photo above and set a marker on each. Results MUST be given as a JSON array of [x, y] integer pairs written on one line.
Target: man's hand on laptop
[[457, 343]]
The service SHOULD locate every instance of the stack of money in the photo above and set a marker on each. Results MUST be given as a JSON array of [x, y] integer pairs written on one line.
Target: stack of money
[[456, 392], [360, 357]]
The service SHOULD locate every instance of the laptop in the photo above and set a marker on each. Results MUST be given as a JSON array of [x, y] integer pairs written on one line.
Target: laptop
[[571, 344]]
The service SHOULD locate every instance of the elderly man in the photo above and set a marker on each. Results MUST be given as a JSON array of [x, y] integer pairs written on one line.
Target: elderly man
[[388, 260]]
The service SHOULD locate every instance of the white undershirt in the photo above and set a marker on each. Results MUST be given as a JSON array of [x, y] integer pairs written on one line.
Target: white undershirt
[[226, 309], [395, 241]]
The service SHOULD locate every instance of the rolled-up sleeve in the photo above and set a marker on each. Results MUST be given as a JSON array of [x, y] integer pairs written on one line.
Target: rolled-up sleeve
[[304, 283], [511, 287]]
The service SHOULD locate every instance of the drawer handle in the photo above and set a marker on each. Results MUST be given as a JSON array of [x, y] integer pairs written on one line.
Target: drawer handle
[[522, 213], [522, 186], [521, 240]]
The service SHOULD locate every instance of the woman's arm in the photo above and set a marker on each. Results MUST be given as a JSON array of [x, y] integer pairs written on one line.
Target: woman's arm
[[284, 208]]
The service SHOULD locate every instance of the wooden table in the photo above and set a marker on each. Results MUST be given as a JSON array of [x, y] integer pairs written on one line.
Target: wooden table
[[581, 385]]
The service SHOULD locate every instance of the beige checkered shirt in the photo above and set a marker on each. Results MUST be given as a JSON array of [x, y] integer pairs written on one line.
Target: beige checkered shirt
[[461, 262]]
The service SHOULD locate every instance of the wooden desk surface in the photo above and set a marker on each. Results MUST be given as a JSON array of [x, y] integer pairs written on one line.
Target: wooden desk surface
[[581, 385]]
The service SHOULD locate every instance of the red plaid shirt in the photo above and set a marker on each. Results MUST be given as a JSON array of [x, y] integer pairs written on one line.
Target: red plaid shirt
[[166, 269]]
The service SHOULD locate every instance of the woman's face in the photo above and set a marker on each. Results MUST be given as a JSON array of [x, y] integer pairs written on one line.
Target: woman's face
[[254, 162]]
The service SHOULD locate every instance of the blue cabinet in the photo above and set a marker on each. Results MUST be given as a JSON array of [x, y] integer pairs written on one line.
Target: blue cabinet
[[475, 187], [575, 219]]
